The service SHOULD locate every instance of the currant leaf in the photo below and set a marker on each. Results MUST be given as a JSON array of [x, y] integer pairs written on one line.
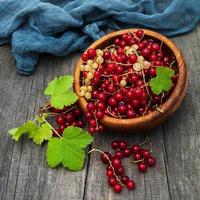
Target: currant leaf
[[77, 136], [59, 85], [44, 132], [59, 91], [164, 72], [68, 150], [16, 133], [66, 99], [162, 82]]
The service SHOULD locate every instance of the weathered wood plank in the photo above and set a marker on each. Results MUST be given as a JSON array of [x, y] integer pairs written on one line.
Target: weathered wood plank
[[182, 132], [24, 173]]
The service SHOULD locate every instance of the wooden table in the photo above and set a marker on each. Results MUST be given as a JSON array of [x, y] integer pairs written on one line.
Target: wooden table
[[24, 173]]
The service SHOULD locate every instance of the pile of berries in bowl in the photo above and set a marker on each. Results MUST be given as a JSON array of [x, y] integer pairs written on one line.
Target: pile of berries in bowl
[[130, 80]]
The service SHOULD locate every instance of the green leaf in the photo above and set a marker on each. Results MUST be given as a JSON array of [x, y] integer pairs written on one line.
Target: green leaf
[[59, 85], [164, 72], [54, 152], [68, 150], [66, 99], [77, 136], [59, 91], [162, 82], [16, 133], [44, 132]]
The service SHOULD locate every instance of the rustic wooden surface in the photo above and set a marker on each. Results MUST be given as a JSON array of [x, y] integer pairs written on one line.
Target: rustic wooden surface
[[24, 173]]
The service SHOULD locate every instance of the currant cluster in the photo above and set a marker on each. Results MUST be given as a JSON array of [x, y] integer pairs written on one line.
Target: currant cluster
[[143, 158], [68, 116], [115, 80], [93, 115], [115, 169]]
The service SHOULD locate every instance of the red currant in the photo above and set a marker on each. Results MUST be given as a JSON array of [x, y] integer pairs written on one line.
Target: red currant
[[119, 154], [137, 156], [116, 162], [135, 149], [117, 188], [127, 152], [139, 33], [130, 185], [112, 181], [124, 179], [120, 171], [105, 158], [60, 119], [91, 53], [151, 161], [84, 57], [115, 144], [142, 167], [109, 173]]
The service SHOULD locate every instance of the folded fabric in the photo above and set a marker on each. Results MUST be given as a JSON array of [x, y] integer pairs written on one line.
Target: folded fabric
[[60, 27]]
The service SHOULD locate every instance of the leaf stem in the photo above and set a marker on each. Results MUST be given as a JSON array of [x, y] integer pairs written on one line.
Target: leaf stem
[[35, 118], [52, 114]]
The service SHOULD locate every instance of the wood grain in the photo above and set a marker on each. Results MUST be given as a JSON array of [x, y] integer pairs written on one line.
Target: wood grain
[[25, 175]]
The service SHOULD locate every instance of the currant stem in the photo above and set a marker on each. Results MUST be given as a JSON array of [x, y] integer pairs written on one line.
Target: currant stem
[[137, 161], [46, 106], [51, 114], [125, 74], [136, 53], [63, 113], [145, 84], [52, 128], [144, 142], [97, 150], [163, 94], [107, 76], [112, 114], [147, 107], [108, 47], [159, 109], [172, 64], [97, 124], [161, 44], [150, 144], [119, 63]]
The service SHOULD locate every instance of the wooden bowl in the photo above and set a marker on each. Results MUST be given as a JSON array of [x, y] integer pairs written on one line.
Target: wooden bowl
[[154, 118]]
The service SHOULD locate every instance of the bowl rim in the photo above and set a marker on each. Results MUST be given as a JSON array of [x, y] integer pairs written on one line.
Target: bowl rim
[[178, 92]]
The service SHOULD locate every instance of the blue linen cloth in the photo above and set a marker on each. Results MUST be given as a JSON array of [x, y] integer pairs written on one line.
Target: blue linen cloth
[[60, 27]]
